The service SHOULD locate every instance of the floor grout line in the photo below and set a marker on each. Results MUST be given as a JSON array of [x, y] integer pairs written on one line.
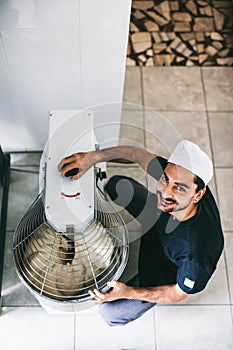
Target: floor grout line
[[215, 182], [208, 125], [223, 166], [154, 321], [75, 333], [144, 108]]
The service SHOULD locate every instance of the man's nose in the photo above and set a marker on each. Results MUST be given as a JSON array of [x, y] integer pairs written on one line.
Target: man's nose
[[168, 191]]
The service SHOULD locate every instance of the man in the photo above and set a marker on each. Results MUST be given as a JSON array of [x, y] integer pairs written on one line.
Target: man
[[182, 239]]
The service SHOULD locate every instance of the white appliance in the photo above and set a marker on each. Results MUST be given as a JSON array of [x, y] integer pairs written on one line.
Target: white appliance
[[70, 240]]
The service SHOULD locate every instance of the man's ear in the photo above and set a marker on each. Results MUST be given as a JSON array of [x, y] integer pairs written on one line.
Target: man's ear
[[199, 195]]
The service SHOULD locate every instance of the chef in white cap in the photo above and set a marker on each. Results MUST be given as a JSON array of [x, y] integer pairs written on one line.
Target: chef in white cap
[[182, 236]]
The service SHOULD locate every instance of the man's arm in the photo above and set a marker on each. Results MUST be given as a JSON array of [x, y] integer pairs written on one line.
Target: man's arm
[[120, 154], [161, 294]]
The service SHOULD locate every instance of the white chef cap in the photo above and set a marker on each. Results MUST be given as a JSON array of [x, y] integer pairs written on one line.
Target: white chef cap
[[191, 157]]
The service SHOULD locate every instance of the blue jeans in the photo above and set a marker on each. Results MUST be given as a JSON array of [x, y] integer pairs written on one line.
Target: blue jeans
[[120, 312]]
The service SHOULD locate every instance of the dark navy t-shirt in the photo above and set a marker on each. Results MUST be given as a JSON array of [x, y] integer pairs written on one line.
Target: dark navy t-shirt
[[184, 252]]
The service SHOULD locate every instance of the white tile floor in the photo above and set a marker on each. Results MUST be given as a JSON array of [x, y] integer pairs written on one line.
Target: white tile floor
[[193, 103]]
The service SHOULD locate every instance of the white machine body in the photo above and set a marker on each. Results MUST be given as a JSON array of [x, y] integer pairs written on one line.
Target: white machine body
[[68, 204]]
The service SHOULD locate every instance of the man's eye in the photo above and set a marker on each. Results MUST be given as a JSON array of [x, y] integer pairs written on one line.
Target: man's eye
[[180, 189], [163, 178]]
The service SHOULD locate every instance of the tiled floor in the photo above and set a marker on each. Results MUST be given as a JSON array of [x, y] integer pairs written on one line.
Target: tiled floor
[[194, 103]]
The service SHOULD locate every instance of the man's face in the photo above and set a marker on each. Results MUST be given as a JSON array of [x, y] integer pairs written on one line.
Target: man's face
[[176, 189]]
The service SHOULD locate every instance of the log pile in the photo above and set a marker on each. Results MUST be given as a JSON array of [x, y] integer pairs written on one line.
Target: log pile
[[183, 32]]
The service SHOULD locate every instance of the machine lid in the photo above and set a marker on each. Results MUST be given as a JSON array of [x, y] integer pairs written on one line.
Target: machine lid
[[69, 203]]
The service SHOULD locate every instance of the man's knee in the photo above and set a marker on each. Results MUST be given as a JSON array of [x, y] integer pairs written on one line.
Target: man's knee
[[123, 311], [110, 316]]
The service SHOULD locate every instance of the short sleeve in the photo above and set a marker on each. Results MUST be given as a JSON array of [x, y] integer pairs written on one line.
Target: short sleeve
[[192, 276], [156, 167]]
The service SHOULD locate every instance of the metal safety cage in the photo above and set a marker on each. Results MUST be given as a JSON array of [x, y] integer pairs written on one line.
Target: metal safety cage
[[63, 267]]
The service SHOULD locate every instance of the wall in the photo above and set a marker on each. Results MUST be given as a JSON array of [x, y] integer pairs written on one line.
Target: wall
[[60, 54]]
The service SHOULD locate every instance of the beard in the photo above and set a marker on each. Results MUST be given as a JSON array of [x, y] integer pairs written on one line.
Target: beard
[[169, 205]]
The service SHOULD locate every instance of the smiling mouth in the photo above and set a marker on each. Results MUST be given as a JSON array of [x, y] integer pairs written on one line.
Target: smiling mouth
[[165, 202]]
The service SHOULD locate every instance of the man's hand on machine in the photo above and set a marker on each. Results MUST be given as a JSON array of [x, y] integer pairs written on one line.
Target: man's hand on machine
[[76, 165], [119, 291]]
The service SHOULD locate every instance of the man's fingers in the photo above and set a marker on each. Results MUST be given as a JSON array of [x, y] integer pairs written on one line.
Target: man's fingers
[[65, 166], [60, 165], [66, 161], [91, 293], [112, 284], [71, 162], [63, 163], [99, 294], [75, 177]]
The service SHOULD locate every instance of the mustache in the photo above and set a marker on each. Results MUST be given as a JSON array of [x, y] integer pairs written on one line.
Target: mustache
[[170, 200]]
